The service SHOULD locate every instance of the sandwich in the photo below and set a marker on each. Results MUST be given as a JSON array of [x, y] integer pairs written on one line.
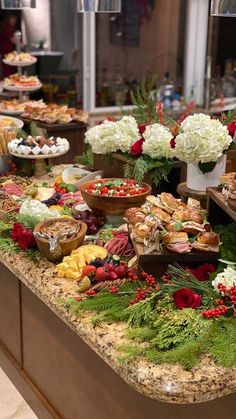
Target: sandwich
[[190, 227], [134, 215], [232, 190], [160, 214], [188, 215], [169, 201], [177, 242], [141, 232], [207, 242], [227, 178]]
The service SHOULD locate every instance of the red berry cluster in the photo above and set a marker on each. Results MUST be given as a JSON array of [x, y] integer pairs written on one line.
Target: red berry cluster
[[132, 274], [150, 280], [215, 312], [141, 294], [114, 290], [165, 278], [90, 293]]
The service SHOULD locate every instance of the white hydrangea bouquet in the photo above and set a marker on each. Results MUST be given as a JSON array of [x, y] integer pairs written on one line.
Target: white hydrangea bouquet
[[202, 140], [147, 147]]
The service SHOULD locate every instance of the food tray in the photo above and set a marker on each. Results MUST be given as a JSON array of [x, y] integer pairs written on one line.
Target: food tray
[[20, 63], [22, 88], [157, 263]]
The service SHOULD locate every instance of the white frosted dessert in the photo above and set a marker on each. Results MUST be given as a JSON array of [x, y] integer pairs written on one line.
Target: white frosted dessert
[[38, 145]]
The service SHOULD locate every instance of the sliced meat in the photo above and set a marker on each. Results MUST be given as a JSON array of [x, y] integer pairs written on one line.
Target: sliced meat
[[179, 247]]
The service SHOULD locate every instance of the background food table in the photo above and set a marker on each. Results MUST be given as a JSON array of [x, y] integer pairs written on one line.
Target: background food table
[[66, 368]]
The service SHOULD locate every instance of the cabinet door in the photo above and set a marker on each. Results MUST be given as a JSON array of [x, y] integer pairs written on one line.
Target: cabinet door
[[10, 318]]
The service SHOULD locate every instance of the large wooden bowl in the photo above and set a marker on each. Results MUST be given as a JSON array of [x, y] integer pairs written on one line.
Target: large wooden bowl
[[66, 245], [113, 205]]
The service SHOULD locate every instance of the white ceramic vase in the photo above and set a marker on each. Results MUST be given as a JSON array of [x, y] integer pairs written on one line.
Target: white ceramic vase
[[199, 181]]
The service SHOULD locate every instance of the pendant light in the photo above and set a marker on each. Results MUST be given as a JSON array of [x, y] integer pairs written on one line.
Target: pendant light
[[225, 8], [109, 6], [18, 4]]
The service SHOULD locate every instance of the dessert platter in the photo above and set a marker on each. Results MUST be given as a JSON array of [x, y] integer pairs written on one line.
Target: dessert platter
[[19, 59], [38, 146], [53, 113], [20, 82], [14, 107]]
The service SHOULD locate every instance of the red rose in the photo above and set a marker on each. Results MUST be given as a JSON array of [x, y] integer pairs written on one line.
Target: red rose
[[203, 272], [137, 148], [16, 232], [26, 240], [173, 143], [142, 128], [186, 298], [232, 128]]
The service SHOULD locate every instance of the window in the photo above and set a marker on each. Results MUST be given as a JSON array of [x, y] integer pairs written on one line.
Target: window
[[146, 41]]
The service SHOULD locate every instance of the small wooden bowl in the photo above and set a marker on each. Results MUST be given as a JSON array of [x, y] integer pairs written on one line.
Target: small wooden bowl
[[66, 245], [113, 205]]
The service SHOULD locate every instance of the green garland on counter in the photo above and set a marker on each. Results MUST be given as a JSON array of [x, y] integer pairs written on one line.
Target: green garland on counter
[[157, 330]]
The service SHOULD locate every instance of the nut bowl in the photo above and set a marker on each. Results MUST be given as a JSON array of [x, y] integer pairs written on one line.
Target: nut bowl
[[55, 252], [113, 205]]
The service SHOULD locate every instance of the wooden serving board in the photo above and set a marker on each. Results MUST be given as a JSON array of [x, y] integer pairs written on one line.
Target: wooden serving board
[[157, 263]]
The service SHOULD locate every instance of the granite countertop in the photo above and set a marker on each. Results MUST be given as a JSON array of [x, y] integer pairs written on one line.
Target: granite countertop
[[167, 383]]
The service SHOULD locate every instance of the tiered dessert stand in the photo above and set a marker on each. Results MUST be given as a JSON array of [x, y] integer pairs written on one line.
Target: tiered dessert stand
[[20, 66]]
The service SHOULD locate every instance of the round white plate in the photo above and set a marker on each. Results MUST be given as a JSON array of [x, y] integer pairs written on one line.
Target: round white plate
[[17, 122], [11, 113], [20, 63], [39, 156], [22, 89]]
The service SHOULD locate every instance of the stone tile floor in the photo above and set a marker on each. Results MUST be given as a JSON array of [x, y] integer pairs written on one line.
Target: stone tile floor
[[12, 404]]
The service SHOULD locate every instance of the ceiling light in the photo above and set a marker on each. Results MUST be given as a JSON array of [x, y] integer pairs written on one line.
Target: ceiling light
[[109, 6], [225, 8]]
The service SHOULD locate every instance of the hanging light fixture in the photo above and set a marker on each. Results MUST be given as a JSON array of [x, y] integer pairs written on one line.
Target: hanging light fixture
[[109, 6], [225, 8], [18, 4]]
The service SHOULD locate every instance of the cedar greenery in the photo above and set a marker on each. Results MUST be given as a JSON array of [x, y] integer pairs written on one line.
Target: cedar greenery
[[144, 102]]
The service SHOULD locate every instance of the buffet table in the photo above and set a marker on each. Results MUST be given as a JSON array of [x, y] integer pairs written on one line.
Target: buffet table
[[67, 368]]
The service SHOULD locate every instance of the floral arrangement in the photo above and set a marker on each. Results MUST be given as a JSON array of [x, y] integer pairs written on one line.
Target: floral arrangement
[[16, 234], [111, 136], [23, 237], [202, 139], [147, 147]]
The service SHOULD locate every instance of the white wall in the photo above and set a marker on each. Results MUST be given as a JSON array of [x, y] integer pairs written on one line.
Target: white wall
[[37, 24]]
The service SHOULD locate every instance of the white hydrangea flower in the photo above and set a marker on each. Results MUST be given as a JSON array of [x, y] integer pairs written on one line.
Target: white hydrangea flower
[[111, 136], [127, 133], [101, 137], [226, 278], [203, 139], [157, 142]]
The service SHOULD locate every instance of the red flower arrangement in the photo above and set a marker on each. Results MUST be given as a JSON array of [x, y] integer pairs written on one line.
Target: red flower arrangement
[[232, 128], [203, 272], [137, 147], [186, 298], [23, 236]]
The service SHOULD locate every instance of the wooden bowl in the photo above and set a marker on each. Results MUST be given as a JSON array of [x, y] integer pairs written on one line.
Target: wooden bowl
[[113, 205], [66, 245]]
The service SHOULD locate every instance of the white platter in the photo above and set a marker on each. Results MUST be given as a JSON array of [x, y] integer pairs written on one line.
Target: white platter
[[39, 156], [20, 63], [10, 113], [17, 122], [22, 89]]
